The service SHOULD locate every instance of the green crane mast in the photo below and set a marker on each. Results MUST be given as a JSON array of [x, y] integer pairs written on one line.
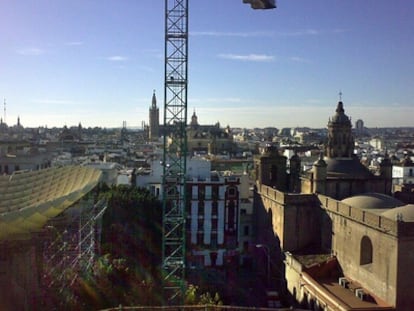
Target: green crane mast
[[175, 146], [175, 149]]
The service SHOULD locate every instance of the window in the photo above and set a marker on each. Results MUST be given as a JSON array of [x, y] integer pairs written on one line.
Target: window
[[201, 208], [215, 192], [232, 192], [245, 246], [214, 209], [366, 251], [200, 224], [246, 230], [201, 193], [200, 238], [214, 241], [214, 225]]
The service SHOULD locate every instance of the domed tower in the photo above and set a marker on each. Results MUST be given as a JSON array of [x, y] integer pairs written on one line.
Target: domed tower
[[154, 119], [271, 168], [340, 139], [319, 170]]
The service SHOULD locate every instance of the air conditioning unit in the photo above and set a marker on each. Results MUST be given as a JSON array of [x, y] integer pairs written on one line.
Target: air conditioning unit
[[359, 292], [343, 281]]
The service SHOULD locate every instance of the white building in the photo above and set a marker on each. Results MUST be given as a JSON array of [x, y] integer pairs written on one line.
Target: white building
[[403, 173]]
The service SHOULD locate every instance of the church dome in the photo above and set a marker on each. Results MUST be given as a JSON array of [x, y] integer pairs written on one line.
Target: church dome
[[403, 213], [347, 167], [340, 116], [373, 201]]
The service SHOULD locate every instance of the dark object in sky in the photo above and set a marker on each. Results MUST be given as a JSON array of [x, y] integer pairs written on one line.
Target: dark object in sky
[[261, 4]]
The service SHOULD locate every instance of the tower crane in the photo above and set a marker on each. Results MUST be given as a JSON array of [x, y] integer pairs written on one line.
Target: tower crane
[[175, 146]]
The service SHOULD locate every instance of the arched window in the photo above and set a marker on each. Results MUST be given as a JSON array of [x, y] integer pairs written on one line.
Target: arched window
[[366, 251]]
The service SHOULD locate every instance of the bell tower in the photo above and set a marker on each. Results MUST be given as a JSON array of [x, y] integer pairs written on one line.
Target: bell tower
[[154, 119], [271, 168]]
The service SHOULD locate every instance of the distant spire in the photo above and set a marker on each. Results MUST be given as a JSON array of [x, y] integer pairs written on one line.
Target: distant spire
[[340, 96], [154, 100]]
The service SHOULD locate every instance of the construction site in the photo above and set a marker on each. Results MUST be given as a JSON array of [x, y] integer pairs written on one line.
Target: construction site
[[50, 229], [50, 218]]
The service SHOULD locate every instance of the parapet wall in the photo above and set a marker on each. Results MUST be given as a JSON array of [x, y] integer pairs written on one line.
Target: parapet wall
[[283, 197], [372, 220]]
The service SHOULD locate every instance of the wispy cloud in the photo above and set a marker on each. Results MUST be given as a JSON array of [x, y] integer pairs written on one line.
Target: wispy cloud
[[298, 59], [74, 43], [311, 32], [31, 51], [339, 30], [248, 57], [302, 32], [117, 58], [232, 34], [261, 34]]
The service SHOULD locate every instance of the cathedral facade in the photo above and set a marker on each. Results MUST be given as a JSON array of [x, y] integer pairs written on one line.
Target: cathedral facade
[[343, 242]]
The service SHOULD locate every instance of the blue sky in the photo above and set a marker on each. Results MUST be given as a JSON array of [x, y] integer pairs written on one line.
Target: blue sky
[[98, 61]]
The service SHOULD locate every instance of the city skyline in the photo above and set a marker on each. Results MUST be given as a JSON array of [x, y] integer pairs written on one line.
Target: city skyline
[[97, 63]]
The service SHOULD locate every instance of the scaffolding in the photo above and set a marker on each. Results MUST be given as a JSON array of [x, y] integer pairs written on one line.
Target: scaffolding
[[70, 244]]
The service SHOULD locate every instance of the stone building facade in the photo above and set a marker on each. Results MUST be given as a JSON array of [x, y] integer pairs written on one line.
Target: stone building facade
[[345, 242], [208, 139]]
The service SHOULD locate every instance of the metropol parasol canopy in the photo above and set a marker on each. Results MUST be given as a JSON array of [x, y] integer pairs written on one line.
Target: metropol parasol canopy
[[29, 199]]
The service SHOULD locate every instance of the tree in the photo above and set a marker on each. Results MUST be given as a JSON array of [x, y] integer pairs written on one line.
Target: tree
[[194, 297], [128, 271]]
